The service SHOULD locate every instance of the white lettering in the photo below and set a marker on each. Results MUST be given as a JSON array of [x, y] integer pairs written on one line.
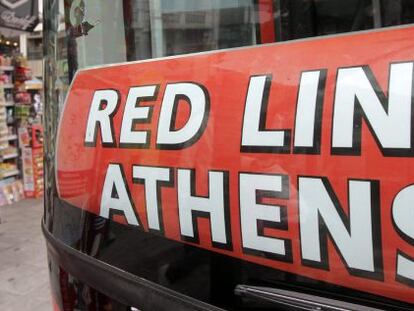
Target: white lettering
[[133, 113], [306, 110], [391, 125], [251, 211], [151, 177], [196, 97], [212, 207], [353, 236], [115, 195], [99, 116], [254, 134], [403, 216]]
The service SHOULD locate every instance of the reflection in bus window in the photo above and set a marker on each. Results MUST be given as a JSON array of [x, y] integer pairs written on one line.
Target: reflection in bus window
[[131, 30], [162, 28]]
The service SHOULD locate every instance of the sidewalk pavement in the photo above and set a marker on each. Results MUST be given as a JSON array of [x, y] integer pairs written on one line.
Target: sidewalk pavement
[[24, 280]]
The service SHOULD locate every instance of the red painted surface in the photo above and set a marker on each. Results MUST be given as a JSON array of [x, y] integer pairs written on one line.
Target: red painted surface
[[226, 75], [266, 21]]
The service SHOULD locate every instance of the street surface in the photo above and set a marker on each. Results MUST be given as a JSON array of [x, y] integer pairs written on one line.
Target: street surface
[[24, 280]]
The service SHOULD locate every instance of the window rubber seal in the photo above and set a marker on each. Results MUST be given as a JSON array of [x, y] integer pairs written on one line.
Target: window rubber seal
[[117, 284]]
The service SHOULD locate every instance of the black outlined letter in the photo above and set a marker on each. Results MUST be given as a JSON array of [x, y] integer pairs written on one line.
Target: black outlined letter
[[133, 114], [197, 97], [255, 137], [255, 216], [358, 96], [308, 121], [103, 108], [116, 198], [402, 218], [153, 178], [215, 207], [357, 237]]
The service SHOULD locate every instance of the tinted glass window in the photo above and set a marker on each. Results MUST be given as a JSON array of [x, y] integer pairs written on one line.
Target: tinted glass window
[[140, 29], [309, 18]]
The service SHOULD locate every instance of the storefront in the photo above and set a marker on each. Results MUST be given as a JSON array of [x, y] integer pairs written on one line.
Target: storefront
[[21, 106]]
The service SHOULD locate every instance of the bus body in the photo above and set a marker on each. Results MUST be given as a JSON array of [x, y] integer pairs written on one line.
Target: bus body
[[229, 155]]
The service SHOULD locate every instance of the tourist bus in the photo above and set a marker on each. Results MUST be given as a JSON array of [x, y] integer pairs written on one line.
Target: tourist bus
[[229, 155]]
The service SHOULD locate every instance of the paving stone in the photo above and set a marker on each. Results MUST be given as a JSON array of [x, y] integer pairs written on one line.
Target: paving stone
[[24, 278], [6, 298], [20, 280]]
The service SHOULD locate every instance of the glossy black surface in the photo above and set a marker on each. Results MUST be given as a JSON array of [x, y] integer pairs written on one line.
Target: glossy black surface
[[204, 275]]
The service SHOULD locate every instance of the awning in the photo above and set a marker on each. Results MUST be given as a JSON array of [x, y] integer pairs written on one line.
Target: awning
[[21, 15]]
